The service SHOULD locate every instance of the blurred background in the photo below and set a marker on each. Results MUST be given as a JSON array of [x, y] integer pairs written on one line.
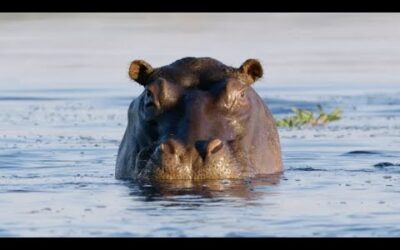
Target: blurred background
[[94, 49]]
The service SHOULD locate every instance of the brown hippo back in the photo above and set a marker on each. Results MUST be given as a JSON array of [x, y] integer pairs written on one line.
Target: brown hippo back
[[198, 119]]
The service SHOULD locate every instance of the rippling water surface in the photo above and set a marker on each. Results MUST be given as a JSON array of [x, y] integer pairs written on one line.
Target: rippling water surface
[[59, 136]]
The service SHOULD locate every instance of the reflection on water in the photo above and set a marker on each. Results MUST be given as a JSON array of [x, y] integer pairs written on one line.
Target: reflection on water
[[206, 189], [62, 120]]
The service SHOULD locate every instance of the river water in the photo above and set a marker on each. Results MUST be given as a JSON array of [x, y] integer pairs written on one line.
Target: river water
[[64, 94]]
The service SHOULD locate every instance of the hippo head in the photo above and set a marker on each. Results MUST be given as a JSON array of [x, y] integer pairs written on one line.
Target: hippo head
[[199, 119]]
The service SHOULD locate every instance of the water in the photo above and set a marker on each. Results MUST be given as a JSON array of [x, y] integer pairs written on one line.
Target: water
[[64, 98]]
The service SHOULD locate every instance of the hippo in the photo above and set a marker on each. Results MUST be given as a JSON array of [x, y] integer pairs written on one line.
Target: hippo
[[198, 119]]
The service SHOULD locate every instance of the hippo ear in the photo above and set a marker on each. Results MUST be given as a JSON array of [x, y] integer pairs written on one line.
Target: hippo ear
[[252, 69], [140, 71]]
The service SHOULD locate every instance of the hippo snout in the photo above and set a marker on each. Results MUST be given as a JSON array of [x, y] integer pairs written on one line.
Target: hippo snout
[[207, 148], [173, 159]]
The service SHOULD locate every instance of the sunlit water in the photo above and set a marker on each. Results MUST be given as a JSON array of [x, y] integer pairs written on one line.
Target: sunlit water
[[58, 145]]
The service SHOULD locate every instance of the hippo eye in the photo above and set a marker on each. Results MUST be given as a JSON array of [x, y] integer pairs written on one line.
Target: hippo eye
[[148, 93]]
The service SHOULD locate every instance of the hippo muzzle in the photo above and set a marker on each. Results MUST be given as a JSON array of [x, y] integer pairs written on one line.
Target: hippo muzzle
[[174, 160]]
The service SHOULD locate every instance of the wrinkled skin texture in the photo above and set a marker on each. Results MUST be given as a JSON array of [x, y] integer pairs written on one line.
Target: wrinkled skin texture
[[198, 119]]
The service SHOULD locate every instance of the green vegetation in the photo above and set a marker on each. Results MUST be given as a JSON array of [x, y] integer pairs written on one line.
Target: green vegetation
[[306, 117]]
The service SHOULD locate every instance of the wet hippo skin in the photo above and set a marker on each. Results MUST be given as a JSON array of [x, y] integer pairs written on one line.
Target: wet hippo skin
[[198, 119]]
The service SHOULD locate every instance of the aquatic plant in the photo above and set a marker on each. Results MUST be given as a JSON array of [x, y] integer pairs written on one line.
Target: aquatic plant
[[306, 117]]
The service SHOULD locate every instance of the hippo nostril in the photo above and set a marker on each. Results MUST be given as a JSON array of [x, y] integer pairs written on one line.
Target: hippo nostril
[[214, 146], [167, 148], [171, 147], [163, 147]]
